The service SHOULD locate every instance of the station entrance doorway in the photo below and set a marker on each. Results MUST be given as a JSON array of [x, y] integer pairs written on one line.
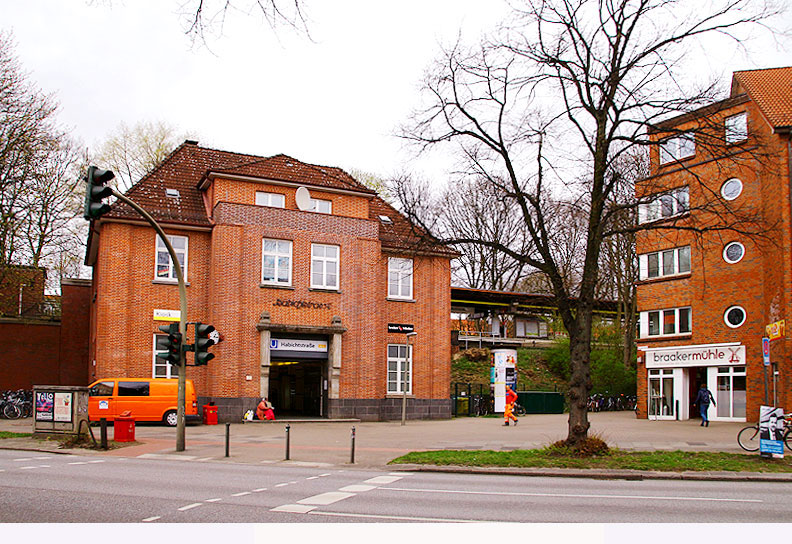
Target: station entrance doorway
[[298, 376]]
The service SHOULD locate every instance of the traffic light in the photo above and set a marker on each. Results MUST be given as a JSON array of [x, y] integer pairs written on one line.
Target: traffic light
[[171, 344], [95, 191], [203, 343]]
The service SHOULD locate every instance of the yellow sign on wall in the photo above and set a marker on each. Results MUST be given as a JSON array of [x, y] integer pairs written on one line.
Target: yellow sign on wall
[[775, 330]]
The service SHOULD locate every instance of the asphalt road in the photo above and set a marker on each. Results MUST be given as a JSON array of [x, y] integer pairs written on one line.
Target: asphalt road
[[48, 488]]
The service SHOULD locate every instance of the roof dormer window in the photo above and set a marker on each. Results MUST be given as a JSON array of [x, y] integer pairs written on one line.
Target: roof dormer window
[[172, 193], [386, 220]]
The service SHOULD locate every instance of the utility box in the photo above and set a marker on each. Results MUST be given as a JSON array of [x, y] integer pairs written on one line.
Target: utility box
[[60, 409]]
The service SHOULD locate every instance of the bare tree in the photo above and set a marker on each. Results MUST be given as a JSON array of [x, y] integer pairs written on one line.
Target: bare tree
[[132, 152], [204, 18], [545, 113]]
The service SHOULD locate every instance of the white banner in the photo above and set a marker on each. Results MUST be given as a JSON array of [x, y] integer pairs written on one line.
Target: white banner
[[687, 356]]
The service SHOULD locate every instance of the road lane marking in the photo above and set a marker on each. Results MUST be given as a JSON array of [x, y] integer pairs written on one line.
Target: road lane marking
[[325, 474], [98, 461], [259, 490], [190, 506], [79, 463], [293, 508], [45, 466], [281, 485], [312, 478], [383, 480], [213, 500], [154, 518], [569, 495], [41, 458], [402, 518], [326, 498], [23, 459], [358, 488], [400, 473], [242, 494], [25, 468]]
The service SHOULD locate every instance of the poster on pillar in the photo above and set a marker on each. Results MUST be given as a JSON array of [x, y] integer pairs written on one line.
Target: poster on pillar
[[504, 363], [771, 432]]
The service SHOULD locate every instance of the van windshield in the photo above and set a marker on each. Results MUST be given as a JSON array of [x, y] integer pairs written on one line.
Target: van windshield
[[133, 389], [101, 389]]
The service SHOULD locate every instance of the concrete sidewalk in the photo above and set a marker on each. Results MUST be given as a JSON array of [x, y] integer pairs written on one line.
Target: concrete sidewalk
[[376, 443]]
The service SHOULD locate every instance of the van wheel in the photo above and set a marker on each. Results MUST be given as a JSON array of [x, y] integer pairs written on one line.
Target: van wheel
[[170, 418]]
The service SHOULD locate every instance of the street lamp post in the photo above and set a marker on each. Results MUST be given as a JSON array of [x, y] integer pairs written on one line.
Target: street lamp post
[[408, 365]]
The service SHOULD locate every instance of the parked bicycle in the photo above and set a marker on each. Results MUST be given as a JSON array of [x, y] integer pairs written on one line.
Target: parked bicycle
[[480, 405], [16, 404], [748, 437]]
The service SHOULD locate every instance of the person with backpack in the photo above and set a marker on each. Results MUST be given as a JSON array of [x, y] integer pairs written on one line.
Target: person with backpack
[[703, 400]]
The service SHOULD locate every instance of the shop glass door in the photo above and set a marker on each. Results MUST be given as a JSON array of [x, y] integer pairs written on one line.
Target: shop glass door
[[731, 392], [661, 393]]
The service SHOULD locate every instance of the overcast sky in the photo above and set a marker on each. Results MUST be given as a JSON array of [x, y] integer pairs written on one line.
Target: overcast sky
[[335, 100]]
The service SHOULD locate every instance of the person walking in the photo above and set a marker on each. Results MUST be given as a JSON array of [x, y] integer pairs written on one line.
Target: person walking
[[703, 400], [508, 413]]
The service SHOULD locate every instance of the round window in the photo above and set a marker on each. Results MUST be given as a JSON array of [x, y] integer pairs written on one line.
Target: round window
[[734, 316], [733, 252], [731, 189]]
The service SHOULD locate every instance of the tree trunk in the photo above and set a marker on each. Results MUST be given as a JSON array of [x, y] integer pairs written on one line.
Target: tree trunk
[[579, 386]]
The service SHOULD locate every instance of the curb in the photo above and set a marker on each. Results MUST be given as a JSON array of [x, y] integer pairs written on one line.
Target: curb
[[599, 474]]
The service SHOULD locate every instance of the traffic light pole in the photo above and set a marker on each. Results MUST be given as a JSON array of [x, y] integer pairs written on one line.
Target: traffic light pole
[[182, 315]]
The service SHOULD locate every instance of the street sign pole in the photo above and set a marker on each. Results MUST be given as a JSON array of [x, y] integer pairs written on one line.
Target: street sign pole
[[766, 360]]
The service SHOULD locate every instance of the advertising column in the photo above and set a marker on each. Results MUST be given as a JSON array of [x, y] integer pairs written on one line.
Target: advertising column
[[504, 363]]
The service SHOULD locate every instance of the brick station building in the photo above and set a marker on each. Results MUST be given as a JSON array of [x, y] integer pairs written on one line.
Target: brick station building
[[705, 302], [306, 273]]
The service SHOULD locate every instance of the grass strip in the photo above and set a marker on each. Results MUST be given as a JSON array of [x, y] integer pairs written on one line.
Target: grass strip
[[8, 434], [666, 461]]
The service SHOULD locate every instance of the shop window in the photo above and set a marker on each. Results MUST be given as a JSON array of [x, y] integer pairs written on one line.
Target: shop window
[[165, 270], [733, 252], [400, 278], [731, 392], [399, 368], [661, 392], [734, 317], [324, 266], [160, 368]]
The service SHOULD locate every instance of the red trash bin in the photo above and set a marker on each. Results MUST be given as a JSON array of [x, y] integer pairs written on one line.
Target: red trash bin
[[209, 414], [124, 427]]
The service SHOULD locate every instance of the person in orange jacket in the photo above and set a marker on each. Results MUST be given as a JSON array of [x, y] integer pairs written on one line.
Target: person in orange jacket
[[264, 410], [511, 399]]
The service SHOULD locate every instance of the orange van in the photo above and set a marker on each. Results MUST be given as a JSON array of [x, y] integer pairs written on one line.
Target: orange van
[[149, 399]]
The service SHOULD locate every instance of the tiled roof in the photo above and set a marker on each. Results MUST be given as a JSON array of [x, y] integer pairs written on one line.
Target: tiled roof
[[771, 89], [190, 164]]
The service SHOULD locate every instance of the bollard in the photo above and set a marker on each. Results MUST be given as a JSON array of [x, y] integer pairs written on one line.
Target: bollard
[[103, 424], [228, 437], [352, 457], [287, 441]]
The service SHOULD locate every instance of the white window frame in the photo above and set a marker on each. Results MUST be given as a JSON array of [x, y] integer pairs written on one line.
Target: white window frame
[[657, 208], [736, 128], [727, 182], [729, 309], [324, 261], [160, 249], [645, 318], [277, 256], [399, 364], [727, 246], [663, 262], [171, 371], [271, 200], [678, 148], [400, 278], [321, 205]]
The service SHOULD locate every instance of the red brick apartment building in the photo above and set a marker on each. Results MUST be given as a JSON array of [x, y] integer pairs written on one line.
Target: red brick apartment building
[[307, 290], [705, 301]]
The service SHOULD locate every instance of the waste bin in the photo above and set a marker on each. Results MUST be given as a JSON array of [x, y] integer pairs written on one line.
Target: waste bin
[[124, 427], [209, 414]]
